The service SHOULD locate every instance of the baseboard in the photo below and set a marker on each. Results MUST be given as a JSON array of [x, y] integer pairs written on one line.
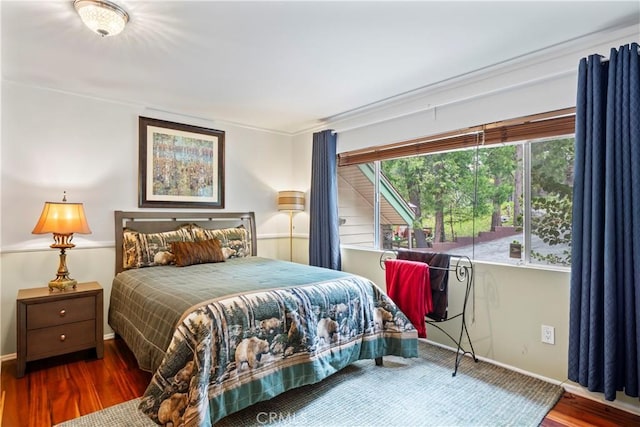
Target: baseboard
[[598, 397], [495, 362], [568, 387], [7, 357]]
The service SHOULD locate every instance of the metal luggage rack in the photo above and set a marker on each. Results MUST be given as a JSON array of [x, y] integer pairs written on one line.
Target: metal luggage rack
[[463, 269]]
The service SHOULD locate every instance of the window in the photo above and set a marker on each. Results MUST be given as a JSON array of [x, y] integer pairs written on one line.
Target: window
[[504, 202], [358, 188], [551, 195]]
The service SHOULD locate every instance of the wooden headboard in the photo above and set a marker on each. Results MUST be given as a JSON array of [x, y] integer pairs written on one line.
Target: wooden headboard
[[153, 222]]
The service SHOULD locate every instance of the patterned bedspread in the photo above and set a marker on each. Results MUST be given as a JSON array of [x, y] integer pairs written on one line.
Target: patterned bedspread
[[147, 303], [233, 351]]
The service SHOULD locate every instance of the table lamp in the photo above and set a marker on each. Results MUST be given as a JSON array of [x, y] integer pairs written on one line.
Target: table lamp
[[62, 219]]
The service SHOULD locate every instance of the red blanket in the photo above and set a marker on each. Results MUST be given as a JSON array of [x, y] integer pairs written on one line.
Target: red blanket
[[408, 285], [439, 276]]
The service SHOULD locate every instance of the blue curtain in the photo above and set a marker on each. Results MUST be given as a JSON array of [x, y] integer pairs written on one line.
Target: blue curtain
[[324, 237], [604, 348]]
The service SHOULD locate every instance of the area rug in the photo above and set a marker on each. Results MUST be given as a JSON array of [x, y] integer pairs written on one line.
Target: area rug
[[403, 392]]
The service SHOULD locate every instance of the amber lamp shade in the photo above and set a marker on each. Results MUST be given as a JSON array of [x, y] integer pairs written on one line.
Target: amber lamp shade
[[62, 219]]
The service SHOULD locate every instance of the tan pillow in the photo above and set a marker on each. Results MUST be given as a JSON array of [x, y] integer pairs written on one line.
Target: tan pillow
[[189, 253]]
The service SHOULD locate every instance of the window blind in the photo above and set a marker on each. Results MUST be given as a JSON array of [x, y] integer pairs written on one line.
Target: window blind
[[543, 125]]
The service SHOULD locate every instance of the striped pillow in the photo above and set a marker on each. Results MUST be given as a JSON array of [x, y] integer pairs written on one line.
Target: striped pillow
[[189, 253], [235, 242]]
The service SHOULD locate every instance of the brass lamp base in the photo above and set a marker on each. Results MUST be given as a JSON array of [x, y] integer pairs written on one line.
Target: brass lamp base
[[62, 280], [62, 283]]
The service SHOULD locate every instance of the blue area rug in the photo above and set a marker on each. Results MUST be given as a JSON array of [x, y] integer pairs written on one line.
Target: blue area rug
[[403, 392]]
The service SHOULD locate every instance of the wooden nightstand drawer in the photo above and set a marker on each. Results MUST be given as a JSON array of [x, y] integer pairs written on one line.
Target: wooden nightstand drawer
[[60, 312], [52, 323], [60, 339]]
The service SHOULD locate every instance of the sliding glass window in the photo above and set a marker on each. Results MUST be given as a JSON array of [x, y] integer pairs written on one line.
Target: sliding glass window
[[506, 202]]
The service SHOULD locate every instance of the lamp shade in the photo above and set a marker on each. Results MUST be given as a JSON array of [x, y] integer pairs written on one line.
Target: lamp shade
[[62, 218], [290, 200], [102, 16]]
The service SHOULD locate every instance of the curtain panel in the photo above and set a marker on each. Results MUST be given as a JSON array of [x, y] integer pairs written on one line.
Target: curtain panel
[[324, 235], [604, 348]]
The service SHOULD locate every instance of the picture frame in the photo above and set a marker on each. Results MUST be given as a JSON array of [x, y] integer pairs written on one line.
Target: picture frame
[[180, 166]]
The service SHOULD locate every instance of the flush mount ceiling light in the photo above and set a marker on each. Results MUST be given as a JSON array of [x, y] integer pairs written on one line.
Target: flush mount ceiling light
[[102, 16]]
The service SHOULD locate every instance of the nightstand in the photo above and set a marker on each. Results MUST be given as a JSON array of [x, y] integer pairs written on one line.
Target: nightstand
[[51, 323]]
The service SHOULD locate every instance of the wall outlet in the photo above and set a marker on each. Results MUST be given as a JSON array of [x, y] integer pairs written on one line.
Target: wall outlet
[[548, 334]]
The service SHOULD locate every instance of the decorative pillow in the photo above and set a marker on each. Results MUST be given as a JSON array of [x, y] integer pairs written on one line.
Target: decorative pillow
[[235, 242], [189, 253], [150, 249]]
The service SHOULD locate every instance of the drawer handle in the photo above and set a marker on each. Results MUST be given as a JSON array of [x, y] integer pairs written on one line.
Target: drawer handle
[[63, 312], [63, 337]]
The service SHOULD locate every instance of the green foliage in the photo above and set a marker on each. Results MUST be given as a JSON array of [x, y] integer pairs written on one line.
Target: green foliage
[[439, 183], [457, 186], [551, 203], [552, 167], [464, 192]]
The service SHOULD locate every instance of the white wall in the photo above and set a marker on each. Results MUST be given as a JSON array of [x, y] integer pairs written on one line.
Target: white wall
[[507, 307], [537, 83], [54, 142]]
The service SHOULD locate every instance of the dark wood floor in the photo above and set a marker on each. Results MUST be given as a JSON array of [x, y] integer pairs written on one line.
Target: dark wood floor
[[62, 388], [573, 410]]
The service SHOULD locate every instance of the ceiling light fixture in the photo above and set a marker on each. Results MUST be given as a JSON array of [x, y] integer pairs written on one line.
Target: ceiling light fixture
[[102, 16]]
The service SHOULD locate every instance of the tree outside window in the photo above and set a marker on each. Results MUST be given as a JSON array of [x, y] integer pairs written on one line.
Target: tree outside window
[[472, 201]]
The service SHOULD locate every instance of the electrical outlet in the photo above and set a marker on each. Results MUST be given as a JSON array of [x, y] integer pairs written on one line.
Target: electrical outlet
[[548, 334]]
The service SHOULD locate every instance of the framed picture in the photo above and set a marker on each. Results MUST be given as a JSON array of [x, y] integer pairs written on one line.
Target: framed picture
[[181, 166]]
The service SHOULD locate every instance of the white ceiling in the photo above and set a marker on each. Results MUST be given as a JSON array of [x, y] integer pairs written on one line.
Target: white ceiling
[[283, 66]]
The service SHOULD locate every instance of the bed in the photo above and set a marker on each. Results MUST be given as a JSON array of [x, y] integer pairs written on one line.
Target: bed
[[221, 328]]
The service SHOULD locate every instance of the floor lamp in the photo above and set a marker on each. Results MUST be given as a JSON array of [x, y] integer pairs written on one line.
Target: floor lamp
[[292, 201]]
